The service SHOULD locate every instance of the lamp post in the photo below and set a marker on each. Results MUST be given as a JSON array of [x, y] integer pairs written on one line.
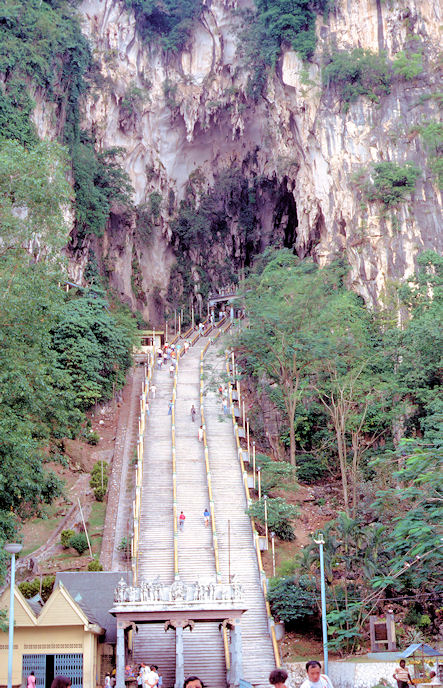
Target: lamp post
[[253, 464], [265, 499], [259, 481], [320, 541], [13, 548], [273, 553]]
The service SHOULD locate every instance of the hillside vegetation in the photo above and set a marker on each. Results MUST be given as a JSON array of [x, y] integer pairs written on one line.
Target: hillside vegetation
[[60, 352], [359, 399]]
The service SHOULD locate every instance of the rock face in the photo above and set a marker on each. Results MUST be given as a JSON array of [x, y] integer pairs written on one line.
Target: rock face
[[177, 117]]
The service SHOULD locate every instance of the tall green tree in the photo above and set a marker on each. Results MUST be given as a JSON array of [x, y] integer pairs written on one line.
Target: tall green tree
[[353, 380], [279, 344], [308, 336], [34, 195]]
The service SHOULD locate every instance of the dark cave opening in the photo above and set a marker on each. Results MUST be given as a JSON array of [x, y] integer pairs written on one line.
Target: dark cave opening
[[285, 216]]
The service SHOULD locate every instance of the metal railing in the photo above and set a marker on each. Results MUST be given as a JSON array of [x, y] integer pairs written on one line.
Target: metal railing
[[207, 466], [271, 623]]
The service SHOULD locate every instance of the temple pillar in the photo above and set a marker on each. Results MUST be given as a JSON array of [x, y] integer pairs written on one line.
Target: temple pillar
[[120, 656], [236, 654]]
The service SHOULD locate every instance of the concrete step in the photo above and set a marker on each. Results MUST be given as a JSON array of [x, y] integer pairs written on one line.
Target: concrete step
[[153, 646]]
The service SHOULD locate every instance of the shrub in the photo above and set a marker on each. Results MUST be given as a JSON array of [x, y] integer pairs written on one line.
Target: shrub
[[391, 182], [95, 565], [93, 438], [79, 543], [280, 514], [412, 617], [408, 66], [65, 537], [31, 588], [387, 182], [424, 621], [155, 200], [357, 73], [310, 468], [432, 135], [293, 600], [99, 475], [132, 100], [278, 474], [125, 547], [99, 493]]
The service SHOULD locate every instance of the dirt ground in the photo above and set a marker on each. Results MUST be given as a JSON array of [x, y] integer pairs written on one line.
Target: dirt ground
[[40, 536]]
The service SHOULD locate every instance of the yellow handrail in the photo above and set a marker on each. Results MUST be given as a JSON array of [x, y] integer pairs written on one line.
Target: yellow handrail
[[254, 530], [226, 647], [208, 469]]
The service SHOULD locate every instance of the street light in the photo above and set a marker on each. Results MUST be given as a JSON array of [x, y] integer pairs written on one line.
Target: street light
[[265, 499], [13, 548], [320, 541], [259, 481], [273, 553]]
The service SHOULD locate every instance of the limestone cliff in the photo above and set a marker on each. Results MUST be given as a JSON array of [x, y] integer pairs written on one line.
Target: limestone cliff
[[187, 116]]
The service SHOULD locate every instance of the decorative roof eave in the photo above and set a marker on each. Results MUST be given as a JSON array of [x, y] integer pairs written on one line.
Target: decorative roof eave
[[94, 628]]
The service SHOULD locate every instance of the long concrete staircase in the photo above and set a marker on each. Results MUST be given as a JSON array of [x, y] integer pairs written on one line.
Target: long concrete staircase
[[239, 557], [203, 647]]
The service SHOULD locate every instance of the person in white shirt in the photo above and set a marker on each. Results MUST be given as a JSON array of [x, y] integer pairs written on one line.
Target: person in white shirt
[[151, 679], [315, 678], [434, 680]]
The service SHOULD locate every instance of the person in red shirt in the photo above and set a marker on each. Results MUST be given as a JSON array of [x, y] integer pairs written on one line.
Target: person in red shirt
[[181, 521]]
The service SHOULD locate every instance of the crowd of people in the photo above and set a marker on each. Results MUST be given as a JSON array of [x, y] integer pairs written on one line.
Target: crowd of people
[[148, 676], [314, 678]]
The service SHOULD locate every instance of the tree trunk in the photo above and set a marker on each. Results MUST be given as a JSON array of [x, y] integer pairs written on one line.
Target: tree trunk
[[341, 446], [292, 444]]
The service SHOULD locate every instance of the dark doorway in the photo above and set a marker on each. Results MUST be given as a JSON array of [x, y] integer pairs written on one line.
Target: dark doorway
[[49, 670]]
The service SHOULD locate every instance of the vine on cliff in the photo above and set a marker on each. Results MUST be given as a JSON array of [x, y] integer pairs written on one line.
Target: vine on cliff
[[387, 183], [357, 73], [171, 20]]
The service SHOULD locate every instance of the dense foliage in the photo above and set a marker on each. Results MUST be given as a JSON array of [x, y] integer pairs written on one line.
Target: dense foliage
[[365, 400], [357, 73], [276, 24], [432, 134], [171, 20], [279, 516], [293, 600], [58, 353], [41, 42], [98, 180], [387, 182]]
